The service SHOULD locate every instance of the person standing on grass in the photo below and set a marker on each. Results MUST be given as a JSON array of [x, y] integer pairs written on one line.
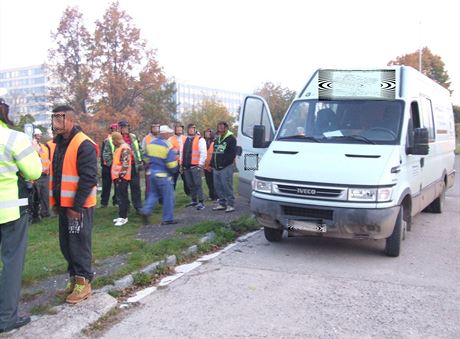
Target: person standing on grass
[[153, 134], [222, 163], [163, 165], [209, 137], [178, 141], [18, 162], [121, 175], [193, 159], [107, 150], [73, 179]]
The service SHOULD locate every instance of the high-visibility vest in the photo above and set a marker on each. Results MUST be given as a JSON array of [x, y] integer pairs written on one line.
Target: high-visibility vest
[[70, 178], [116, 164], [148, 138], [45, 158], [207, 163], [195, 150], [177, 143], [16, 155]]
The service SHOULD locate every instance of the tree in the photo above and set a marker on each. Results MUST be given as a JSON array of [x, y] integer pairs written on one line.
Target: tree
[[278, 100], [68, 62], [208, 114], [432, 65], [23, 119], [128, 79]]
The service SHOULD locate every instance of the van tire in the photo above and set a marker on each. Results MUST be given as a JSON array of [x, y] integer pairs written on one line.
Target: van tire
[[273, 234], [437, 205], [393, 242]]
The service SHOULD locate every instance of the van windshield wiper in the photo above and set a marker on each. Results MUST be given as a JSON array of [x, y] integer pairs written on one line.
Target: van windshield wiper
[[354, 137], [301, 137]]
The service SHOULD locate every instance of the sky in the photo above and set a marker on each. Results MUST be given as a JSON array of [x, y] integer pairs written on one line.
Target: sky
[[240, 44]]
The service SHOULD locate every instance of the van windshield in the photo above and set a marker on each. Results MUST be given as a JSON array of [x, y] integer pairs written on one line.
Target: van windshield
[[343, 121]]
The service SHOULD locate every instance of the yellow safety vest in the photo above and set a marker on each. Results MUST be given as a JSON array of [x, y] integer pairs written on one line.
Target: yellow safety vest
[[16, 155]]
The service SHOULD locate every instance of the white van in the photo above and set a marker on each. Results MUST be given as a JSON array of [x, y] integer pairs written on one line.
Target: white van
[[357, 155]]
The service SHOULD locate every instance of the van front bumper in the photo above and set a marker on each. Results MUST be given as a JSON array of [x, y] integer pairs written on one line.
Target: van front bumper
[[340, 222]]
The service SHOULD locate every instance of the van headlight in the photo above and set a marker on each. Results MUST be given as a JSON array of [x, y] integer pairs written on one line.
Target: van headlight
[[370, 194], [262, 186]]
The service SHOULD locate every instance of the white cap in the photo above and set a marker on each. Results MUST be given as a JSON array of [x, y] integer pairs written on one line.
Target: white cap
[[37, 131], [165, 129]]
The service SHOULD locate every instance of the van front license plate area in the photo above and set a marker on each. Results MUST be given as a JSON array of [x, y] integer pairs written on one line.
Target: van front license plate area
[[310, 226]]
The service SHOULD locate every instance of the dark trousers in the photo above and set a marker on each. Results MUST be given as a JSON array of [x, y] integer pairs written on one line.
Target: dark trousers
[[135, 186], [193, 180], [210, 183], [107, 186], [13, 241], [41, 197], [175, 177], [75, 242], [122, 197]]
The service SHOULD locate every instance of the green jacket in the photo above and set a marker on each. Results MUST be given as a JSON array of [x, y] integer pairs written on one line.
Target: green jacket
[[18, 162]]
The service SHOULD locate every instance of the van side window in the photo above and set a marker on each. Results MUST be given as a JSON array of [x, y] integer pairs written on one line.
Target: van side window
[[414, 122], [256, 114], [427, 117]]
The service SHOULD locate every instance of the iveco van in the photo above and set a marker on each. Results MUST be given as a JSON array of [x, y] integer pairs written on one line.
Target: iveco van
[[357, 155]]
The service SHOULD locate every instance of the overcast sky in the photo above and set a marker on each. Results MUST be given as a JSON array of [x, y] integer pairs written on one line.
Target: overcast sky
[[240, 44]]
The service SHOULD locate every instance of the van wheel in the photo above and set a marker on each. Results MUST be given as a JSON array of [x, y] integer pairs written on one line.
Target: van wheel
[[273, 234], [393, 242], [437, 205]]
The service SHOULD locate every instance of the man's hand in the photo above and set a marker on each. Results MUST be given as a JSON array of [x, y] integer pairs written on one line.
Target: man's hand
[[71, 214]]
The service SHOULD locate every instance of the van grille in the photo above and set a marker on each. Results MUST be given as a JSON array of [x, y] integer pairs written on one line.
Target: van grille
[[308, 212], [311, 191]]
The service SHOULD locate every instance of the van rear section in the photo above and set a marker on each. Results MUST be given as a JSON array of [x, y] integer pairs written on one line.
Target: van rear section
[[357, 155]]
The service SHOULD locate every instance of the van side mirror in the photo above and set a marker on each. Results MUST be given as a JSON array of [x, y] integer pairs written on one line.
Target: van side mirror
[[258, 135], [421, 146]]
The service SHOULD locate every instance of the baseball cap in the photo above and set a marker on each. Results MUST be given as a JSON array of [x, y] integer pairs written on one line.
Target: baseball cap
[[165, 129], [123, 123]]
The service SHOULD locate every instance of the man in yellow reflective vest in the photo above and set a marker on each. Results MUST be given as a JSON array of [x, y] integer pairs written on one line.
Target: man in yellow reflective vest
[[73, 179], [107, 150], [18, 162]]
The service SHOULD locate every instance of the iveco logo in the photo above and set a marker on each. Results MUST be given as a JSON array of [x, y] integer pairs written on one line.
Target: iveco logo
[[306, 191]]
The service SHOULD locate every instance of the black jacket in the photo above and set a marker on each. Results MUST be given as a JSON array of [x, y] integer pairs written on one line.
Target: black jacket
[[224, 151], [86, 167]]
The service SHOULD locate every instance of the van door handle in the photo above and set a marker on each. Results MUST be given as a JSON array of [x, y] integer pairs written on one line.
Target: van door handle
[[422, 162]]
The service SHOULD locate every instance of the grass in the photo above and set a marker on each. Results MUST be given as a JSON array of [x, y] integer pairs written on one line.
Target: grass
[[44, 258]]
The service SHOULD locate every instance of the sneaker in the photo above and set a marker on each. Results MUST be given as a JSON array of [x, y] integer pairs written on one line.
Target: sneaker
[[116, 220], [200, 206], [169, 222], [219, 208], [229, 209], [121, 222], [190, 204], [81, 291]]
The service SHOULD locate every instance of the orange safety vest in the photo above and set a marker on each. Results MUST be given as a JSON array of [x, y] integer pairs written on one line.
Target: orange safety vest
[[195, 151], [70, 178], [45, 158], [207, 163], [148, 139], [178, 146], [116, 164]]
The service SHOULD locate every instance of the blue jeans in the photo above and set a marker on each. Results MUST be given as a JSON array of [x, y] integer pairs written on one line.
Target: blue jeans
[[160, 188]]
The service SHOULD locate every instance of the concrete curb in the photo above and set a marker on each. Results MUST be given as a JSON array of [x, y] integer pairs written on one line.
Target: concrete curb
[[70, 320]]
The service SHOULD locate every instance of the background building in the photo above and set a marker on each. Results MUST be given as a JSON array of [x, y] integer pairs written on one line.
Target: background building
[[27, 92], [190, 96]]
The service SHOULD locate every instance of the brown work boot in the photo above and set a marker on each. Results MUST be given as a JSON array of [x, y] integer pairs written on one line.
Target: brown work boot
[[64, 292], [81, 291]]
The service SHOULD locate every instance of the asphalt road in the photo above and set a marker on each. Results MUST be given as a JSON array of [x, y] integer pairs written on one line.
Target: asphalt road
[[316, 288]]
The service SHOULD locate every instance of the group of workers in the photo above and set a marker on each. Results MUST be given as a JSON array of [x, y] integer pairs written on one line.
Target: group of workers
[[165, 154], [64, 176]]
